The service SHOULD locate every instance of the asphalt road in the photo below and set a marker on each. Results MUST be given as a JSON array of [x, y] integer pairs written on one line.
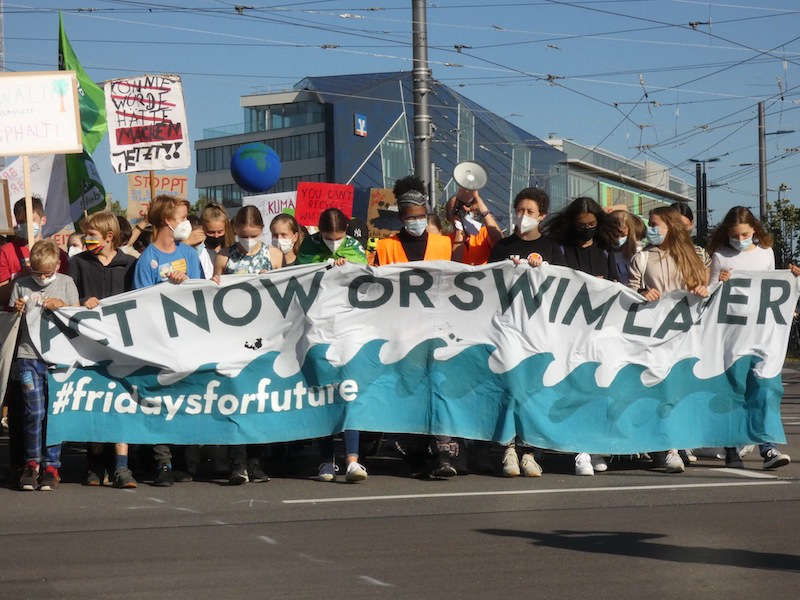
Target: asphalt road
[[624, 534]]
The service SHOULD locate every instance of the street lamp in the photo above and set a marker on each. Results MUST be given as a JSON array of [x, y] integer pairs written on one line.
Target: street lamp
[[701, 192]]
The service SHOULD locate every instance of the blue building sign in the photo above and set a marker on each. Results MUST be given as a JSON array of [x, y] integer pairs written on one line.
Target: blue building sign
[[360, 125]]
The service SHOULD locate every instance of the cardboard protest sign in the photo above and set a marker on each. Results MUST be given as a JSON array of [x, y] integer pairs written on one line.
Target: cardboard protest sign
[[270, 206], [6, 218], [147, 127], [139, 192], [40, 113], [383, 220], [313, 198]]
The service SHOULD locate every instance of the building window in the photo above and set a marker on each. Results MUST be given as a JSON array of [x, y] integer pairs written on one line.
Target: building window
[[466, 134], [295, 147], [396, 154]]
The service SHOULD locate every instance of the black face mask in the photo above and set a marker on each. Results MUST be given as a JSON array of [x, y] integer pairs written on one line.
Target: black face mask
[[212, 243], [584, 234]]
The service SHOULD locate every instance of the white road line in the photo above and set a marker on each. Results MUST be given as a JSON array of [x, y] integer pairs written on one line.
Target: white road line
[[218, 522], [159, 500], [313, 559], [622, 488], [189, 510], [140, 507], [268, 540], [373, 581], [743, 473], [791, 422]]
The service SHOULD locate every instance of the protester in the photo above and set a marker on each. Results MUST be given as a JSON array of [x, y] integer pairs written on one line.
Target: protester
[[687, 218], [125, 233], [475, 230], [586, 234], [99, 272], [434, 224], [217, 227], [626, 243], [741, 243], [166, 259], [51, 290], [668, 262], [197, 241], [14, 254], [331, 242], [286, 237], [75, 244]]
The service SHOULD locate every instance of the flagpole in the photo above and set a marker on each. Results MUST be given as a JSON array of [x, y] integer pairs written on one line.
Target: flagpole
[[152, 188], [26, 175]]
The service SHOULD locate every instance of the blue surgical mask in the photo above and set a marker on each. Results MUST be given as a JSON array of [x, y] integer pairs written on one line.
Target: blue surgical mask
[[654, 236], [621, 241], [740, 245], [416, 227], [21, 230]]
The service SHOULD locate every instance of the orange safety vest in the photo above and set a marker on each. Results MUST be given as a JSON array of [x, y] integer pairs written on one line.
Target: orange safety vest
[[390, 250]]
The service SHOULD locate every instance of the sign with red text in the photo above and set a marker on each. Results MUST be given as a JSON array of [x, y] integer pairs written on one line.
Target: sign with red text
[[313, 198], [147, 127], [39, 113], [139, 192]]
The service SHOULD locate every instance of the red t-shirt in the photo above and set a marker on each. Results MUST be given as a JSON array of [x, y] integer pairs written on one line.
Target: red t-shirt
[[14, 257]]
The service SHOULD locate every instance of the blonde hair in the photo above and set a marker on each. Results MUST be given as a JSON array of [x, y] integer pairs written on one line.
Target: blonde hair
[[45, 256], [103, 222], [214, 212], [163, 208], [679, 246]]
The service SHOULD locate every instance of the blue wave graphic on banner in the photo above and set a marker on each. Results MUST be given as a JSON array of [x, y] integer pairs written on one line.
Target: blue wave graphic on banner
[[460, 396]]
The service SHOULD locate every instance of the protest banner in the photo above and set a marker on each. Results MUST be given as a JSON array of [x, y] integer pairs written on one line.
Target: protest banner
[[9, 327], [6, 218], [41, 115], [556, 357], [147, 127], [139, 191], [383, 220], [270, 206], [313, 198]]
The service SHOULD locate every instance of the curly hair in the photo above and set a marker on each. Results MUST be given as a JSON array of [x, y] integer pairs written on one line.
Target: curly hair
[[738, 215]]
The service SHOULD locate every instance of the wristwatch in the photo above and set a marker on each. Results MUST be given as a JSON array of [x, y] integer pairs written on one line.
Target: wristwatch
[[485, 213]]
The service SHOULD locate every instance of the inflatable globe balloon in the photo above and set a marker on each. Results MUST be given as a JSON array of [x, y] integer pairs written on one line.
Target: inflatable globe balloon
[[255, 167]]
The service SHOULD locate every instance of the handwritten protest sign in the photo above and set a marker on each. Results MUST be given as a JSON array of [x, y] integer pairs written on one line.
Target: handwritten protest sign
[[147, 127], [383, 220], [139, 192], [39, 113], [270, 206], [313, 198]]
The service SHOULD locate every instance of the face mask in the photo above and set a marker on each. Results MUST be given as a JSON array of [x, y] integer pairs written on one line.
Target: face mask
[[333, 245], [524, 223], [21, 230], [416, 227], [285, 245], [93, 246], [654, 236], [213, 243], [621, 241], [44, 281], [182, 231], [248, 243], [73, 250], [584, 234], [741, 245]]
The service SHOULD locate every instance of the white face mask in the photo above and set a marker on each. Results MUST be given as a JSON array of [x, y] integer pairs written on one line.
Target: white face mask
[[333, 245], [248, 243], [73, 250], [285, 245], [182, 231], [44, 281], [416, 227], [525, 224]]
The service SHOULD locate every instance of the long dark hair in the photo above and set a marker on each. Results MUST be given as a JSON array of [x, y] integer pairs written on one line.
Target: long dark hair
[[738, 215], [623, 217], [561, 226]]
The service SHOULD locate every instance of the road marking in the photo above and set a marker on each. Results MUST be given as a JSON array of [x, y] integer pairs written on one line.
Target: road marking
[[373, 581], [268, 540], [623, 488], [159, 500], [743, 473], [319, 561], [791, 422], [189, 510], [218, 522], [140, 507]]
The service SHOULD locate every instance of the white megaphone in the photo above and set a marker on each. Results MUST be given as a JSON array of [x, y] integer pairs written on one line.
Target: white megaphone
[[470, 175]]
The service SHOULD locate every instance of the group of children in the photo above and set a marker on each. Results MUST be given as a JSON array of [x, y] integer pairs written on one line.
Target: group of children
[[653, 260]]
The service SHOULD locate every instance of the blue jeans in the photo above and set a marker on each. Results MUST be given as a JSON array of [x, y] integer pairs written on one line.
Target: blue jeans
[[32, 377], [350, 445]]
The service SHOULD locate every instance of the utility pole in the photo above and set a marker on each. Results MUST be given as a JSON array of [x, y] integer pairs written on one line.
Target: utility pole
[[422, 78], [698, 194], [762, 163]]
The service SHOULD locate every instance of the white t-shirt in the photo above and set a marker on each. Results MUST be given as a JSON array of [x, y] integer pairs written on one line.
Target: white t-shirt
[[728, 259]]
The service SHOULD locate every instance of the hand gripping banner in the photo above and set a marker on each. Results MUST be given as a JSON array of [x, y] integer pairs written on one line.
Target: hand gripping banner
[[554, 357]]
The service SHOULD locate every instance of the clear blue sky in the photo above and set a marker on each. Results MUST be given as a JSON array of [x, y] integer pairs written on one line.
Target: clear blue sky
[[629, 72]]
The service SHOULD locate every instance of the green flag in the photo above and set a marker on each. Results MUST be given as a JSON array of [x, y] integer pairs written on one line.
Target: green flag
[[90, 95]]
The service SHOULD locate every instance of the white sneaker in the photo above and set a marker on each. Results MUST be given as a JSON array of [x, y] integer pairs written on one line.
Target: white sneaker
[[673, 462], [599, 463], [510, 462], [355, 472], [583, 464], [327, 472], [530, 468]]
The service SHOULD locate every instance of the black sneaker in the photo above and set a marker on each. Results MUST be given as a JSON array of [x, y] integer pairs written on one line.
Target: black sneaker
[[50, 480], [29, 480], [256, 473], [123, 478], [182, 476], [164, 476], [443, 470], [732, 459], [774, 459], [238, 476]]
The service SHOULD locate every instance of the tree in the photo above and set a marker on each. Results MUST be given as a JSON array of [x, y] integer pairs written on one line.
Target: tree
[[117, 209], [783, 220]]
